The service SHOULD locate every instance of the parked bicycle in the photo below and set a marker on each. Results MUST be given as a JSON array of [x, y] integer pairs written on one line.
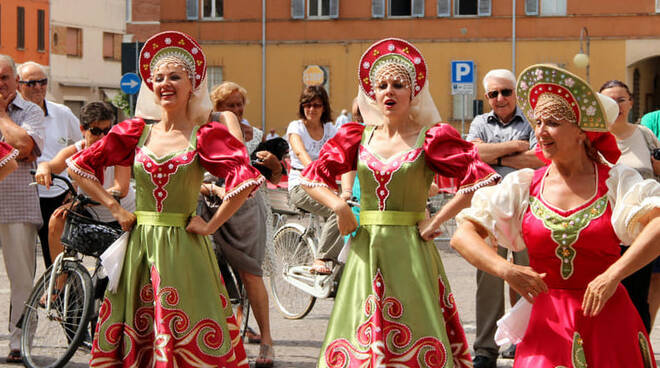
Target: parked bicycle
[[61, 312], [295, 288]]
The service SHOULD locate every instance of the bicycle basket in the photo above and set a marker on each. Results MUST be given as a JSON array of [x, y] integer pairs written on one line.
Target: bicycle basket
[[87, 235]]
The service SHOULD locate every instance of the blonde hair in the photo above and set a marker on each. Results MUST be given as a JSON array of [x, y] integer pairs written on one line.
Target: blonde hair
[[222, 91]]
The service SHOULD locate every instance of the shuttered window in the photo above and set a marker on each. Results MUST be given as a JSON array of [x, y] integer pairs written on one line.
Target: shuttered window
[[444, 7], [484, 8], [378, 8], [418, 8], [532, 7], [298, 9], [192, 9]]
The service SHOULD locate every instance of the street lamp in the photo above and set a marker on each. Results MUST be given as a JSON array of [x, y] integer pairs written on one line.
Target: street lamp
[[581, 60]]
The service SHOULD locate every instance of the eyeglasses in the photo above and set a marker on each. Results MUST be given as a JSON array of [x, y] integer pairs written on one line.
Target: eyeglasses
[[99, 131], [32, 83], [505, 93], [314, 105]]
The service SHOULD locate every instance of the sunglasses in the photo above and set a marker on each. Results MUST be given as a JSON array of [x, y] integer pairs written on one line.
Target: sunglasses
[[32, 83], [505, 93], [314, 105], [99, 131]]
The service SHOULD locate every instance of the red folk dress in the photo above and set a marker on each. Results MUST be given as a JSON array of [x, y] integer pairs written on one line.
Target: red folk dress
[[171, 307], [7, 153], [572, 247]]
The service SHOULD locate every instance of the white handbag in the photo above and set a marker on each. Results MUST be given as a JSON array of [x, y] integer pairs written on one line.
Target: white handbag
[[113, 260], [512, 326]]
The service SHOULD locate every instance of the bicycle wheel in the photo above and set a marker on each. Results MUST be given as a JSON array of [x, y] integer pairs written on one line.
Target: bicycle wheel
[[50, 339], [290, 249]]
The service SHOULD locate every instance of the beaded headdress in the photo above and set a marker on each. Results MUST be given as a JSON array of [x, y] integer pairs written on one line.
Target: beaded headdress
[[397, 59]]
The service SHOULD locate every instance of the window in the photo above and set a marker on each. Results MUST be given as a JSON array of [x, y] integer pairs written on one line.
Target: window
[[192, 9], [112, 46], [444, 8], [73, 41], [657, 6], [213, 76], [472, 7], [212, 9], [553, 7], [314, 9], [397, 8], [20, 27], [531, 7], [41, 30], [318, 8]]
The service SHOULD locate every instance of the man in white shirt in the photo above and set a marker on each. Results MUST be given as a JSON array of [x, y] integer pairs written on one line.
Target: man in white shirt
[[342, 119], [272, 134], [61, 128]]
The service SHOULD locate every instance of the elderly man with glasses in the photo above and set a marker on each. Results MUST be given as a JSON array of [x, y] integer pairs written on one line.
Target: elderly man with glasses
[[505, 140], [62, 129], [21, 126]]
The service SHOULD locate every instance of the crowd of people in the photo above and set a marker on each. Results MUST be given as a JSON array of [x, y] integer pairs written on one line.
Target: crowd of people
[[553, 177]]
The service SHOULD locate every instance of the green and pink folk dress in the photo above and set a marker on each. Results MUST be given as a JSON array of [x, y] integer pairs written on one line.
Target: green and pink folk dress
[[171, 307], [394, 306]]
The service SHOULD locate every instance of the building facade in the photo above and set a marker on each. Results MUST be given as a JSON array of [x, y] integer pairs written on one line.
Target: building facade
[[85, 54], [24, 30], [622, 39]]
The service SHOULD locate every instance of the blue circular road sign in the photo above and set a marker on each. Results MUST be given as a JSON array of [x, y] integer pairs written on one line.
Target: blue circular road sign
[[130, 83]]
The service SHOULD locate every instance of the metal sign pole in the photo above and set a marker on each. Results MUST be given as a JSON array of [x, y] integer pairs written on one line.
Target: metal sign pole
[[463, 116]]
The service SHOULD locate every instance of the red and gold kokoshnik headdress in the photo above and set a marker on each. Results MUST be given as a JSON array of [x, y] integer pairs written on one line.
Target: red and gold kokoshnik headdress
[[176, 47]]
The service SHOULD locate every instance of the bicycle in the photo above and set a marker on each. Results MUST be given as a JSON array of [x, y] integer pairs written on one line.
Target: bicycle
[[295, 288], [54, 329]]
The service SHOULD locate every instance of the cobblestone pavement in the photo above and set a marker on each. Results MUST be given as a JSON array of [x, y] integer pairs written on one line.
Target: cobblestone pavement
[[297, 342]]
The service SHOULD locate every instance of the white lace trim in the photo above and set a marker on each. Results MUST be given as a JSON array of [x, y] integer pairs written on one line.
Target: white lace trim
[[243, 186], [12, 155], [480, 184], [313, 184], [72, 165]]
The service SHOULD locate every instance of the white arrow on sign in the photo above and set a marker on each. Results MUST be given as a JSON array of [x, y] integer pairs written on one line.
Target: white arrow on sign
[[132, 83]]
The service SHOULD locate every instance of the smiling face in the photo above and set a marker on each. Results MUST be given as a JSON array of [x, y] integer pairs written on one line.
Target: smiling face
[[559, 139], [393, 97], [313, 110], [172, 86], [34, 92], [503, 106], [234, 103], [621, 96]]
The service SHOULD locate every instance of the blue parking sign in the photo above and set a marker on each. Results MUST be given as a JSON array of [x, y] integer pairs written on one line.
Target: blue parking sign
[[462, 71]]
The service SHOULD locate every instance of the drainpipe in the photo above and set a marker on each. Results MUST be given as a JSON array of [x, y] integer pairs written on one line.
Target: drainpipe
[[263, 66]]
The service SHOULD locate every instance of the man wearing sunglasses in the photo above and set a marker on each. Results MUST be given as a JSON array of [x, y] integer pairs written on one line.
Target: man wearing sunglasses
[[61, 129], [505, 140]]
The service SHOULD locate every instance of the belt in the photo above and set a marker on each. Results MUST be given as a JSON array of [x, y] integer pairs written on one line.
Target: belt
[[162, 219], [392, 218]]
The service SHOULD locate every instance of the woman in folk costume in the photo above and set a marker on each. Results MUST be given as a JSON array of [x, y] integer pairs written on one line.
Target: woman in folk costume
[[7, 159], [170, 308], [394, 307], [571, 215]]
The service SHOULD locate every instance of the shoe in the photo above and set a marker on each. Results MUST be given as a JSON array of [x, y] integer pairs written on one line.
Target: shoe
[[252, 336], [14, 357], [482, 361], [265, 357], [510, 352]]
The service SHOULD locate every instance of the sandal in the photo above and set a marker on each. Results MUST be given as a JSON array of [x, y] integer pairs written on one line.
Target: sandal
[[252, 336], [321, 267], [265, 357], [15, 357]]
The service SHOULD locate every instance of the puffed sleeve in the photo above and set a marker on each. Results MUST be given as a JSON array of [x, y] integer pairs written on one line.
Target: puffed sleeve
[[116, 148], [226, 157], [450, 156], [631, 197], [338, 156], [7, 153], [500, 209]]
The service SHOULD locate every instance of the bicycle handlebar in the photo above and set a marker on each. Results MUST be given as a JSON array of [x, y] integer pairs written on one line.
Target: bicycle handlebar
[[84, 200]]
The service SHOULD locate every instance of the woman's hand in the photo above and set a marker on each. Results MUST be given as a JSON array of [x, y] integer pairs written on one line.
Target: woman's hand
[[599, 291], [525, 281], [346, 221], [428, 230], [126, 219], [197, 225], [346, 195], [42, 176]]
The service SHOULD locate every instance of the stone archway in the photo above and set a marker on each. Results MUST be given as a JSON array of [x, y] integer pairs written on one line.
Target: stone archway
[[644, 80]]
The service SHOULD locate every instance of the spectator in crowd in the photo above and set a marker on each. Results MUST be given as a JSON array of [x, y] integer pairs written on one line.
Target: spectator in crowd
[[636, 143], [505, 140], [272, 134], [21, 126], [61, 129], [652, 121], [306, 136], [342, 119]]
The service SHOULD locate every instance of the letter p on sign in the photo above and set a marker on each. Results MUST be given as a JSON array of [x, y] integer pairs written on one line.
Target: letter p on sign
[[462, 72]]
